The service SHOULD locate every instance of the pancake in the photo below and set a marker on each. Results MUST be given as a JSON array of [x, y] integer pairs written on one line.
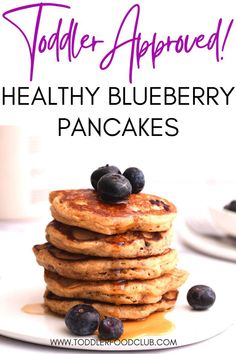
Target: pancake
[[77, 266], [82, 208], [116, 292], [61, 305], [132, 244]]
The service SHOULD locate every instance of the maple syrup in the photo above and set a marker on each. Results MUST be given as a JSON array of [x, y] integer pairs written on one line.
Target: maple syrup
[[35, 309], [156, 324]]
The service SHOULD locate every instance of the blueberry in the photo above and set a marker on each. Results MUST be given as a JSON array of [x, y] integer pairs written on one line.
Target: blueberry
[[110, 328], [136, 178], [101, 171], [113, 188], [231, 206], [82, 320], [201, 297]]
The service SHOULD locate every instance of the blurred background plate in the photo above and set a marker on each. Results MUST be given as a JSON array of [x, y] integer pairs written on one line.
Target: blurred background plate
[[223, 247], [224, 219]]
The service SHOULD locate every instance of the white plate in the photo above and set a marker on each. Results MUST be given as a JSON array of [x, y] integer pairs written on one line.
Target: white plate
[[219, 247], [224, 219], [191, 326]]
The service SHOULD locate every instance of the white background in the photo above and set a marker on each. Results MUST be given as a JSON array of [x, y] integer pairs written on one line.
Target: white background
[[204, 148]]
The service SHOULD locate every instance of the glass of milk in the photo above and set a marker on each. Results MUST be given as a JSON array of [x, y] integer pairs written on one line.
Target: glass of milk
[[23, 194]]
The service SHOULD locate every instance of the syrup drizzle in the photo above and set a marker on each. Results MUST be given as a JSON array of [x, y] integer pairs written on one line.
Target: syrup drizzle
[[35, 309], [156, 324]]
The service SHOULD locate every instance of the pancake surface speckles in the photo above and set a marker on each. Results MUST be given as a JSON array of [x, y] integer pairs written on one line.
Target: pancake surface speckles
[[131, 244], [77, 266], [61, 305], [116, 292], [82, 208]]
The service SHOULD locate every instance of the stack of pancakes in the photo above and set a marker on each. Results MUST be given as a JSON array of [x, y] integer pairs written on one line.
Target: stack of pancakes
[[114, 257]]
